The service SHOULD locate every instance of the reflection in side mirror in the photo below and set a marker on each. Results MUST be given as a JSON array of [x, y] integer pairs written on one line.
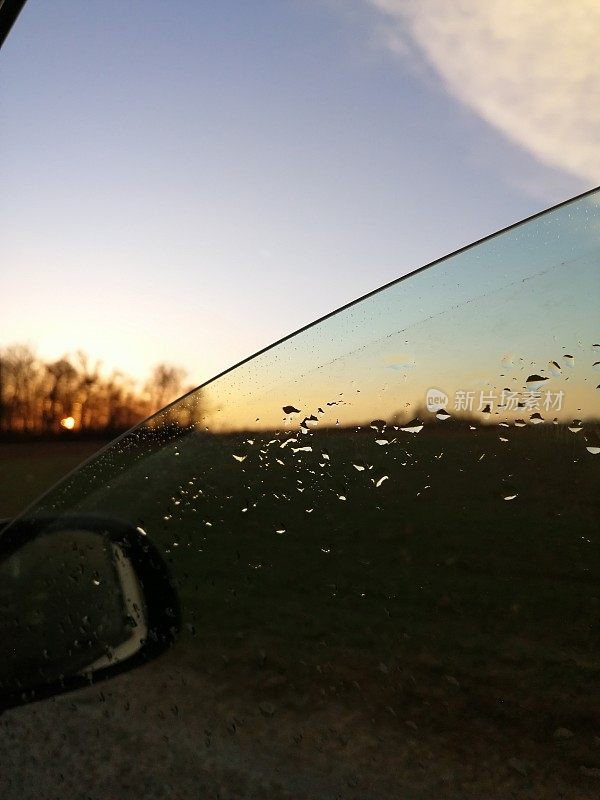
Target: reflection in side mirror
[[80, 600]]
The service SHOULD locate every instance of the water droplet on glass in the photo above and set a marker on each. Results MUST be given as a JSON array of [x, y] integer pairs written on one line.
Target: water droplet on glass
[[593, 450], [290, 410], [518, 765], [555, 368], [510, 496], [378, 425], [267, 709], [381, 442], [402, 363], [280, 529], [381, 480], [536, 418], [442, 415], [416, 426], [569, 360], [520, 423], [359, 467], [576, 426], [534, 382], [341, 497], [596, 365], [239, 458], [563, 733]]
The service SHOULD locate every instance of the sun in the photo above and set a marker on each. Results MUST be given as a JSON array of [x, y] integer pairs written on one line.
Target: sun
[[68, 423]]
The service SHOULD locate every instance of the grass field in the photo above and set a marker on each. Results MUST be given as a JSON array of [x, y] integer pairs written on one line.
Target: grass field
[[456, 602], [30, 468]]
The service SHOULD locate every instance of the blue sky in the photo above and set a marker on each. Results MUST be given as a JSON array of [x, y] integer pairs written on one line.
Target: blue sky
[[190, 181]]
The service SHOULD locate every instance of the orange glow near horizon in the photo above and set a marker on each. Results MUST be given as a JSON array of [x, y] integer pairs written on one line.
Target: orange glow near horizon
[[68, 423]]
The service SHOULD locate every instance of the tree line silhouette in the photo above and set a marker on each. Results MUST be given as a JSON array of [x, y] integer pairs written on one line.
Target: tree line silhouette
[[72, 395]]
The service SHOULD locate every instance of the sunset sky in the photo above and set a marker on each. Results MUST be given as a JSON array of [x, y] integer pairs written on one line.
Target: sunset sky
[[189, 181]]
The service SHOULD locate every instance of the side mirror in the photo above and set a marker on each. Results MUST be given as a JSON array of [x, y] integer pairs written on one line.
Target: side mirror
[[81, 599]]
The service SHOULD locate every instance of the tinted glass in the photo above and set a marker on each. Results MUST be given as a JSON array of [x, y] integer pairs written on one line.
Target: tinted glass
[[383, 532]]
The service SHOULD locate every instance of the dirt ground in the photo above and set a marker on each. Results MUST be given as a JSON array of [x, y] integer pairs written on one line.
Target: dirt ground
[[171, 731]]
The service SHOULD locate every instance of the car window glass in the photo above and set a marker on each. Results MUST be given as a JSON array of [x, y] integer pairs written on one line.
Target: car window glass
[[383, 533]]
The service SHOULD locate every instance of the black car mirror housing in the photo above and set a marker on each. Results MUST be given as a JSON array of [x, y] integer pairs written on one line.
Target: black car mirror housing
[[81, 600]]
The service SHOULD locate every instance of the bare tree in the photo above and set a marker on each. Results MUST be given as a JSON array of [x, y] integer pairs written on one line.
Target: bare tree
[[63, 380], [88, 390], [164, 385], [36, 397], [19, 381]]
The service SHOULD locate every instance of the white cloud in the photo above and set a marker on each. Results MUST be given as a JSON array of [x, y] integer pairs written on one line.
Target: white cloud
[[530, 68]]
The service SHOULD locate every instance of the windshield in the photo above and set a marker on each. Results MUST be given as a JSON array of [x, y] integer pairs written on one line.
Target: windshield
[[386, 526]]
